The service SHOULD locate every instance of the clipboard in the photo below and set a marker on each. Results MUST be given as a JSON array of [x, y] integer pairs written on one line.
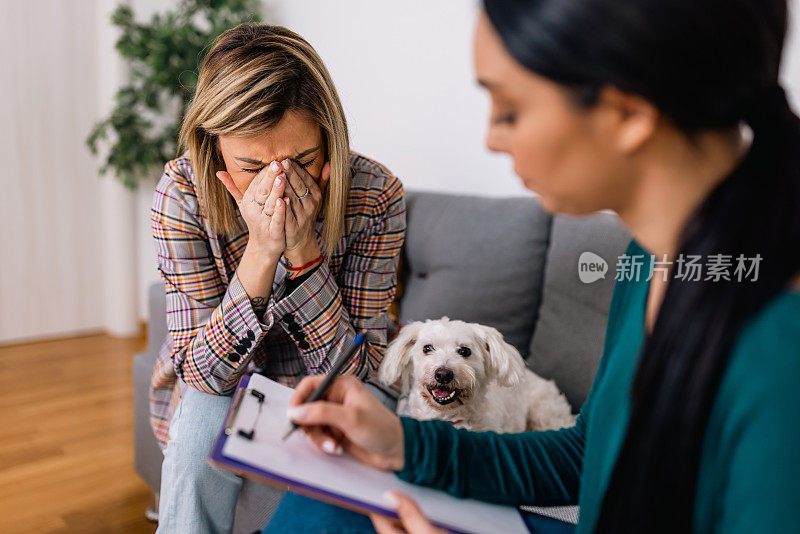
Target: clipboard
[[247, 446]]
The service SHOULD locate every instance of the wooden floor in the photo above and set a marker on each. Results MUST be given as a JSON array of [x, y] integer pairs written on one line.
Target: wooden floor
[[66, 438]]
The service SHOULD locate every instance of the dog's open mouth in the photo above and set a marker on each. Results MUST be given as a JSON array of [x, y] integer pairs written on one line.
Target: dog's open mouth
[[443, 394]]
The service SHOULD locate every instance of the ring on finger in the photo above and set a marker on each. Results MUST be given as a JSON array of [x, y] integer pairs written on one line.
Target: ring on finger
[[305, 194], [259, 203]]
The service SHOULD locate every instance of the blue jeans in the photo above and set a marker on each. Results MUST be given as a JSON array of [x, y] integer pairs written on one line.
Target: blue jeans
[[195, 496]]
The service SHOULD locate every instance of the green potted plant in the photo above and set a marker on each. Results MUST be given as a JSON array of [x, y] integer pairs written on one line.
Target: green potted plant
[[163, 56]]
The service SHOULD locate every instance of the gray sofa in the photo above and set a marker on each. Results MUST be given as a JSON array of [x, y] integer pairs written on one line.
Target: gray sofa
[[501, 262]]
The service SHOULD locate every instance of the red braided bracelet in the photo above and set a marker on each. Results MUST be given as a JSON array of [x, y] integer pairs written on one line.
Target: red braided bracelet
[[298, 270]]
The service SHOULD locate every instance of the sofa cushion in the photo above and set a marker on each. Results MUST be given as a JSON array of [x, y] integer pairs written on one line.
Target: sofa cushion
[[475, 259], [568, 340]]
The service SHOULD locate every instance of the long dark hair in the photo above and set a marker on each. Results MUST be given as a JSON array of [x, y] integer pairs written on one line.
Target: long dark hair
[[706, 65]]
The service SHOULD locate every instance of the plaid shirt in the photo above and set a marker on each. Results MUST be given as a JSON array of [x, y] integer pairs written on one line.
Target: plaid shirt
[[215, 336]]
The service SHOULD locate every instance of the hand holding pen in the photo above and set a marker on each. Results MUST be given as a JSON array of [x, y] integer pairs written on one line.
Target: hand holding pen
[[348, 418], [334, 372]]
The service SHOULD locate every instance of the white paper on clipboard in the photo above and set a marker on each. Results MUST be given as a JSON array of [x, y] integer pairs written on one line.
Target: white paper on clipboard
[[299, 461]]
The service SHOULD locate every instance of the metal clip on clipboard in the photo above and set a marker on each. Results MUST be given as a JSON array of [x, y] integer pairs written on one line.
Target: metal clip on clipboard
[[237, 402]]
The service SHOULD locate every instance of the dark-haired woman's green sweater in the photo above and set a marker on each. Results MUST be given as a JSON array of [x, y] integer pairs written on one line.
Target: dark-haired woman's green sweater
[[749, 475]]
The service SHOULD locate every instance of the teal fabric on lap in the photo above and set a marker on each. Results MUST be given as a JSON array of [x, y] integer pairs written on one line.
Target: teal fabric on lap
[[296, 513]]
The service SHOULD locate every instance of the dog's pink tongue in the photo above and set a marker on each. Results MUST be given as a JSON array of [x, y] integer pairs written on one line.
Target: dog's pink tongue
[[441, 392]]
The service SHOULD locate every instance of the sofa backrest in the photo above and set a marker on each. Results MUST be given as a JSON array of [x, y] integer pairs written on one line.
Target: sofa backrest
[[568, 340], [475, 259], [508, 264]]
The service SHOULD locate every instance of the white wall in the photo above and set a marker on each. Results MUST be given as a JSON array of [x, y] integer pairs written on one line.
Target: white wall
[[790, 66], [67, 239], [76, 250], [49, 241], [403, 69], [145, 250]]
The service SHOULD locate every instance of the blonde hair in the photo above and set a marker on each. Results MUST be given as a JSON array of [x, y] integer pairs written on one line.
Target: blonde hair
[[253, 75]]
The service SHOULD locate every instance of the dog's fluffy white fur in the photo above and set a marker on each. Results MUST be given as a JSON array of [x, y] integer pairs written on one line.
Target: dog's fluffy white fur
[[467, 374]]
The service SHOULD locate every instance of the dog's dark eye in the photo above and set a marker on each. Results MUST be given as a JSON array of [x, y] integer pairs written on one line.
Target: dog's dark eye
[[427, 349], [464, 351]]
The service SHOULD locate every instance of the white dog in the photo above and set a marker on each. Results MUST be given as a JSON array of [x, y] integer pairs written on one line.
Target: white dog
[[466, 374]]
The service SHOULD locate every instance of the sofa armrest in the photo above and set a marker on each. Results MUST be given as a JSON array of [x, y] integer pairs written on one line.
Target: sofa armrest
[[147, 454], [568, 340], [157, 318]]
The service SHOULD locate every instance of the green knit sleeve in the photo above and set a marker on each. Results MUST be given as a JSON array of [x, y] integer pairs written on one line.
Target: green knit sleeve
[[541, 468]]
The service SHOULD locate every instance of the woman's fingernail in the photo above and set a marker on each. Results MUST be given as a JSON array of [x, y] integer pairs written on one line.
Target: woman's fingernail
[[296, 413], [217, 174], [274, 167], [390, 499], [278, 180], [286, 163], [331, 448]]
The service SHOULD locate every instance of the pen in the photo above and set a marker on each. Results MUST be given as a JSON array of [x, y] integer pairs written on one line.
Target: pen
[[334, 372]]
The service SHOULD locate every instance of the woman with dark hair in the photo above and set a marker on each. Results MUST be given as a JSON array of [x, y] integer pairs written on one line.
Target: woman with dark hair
[[670, 113]]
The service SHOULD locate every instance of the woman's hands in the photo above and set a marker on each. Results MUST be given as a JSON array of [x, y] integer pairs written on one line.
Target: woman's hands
[[263, 208], [414, 521], [293, 197], [349, 419], [264, 211], [304, 199]]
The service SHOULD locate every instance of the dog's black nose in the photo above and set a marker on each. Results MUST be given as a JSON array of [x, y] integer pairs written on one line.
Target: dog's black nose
[[443, 375]]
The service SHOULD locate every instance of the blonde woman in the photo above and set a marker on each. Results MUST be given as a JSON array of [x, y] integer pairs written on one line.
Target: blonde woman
[[276, 245]]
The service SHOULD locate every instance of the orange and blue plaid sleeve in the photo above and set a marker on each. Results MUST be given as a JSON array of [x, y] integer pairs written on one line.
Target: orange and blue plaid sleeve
[[325, 313], [212, 326]]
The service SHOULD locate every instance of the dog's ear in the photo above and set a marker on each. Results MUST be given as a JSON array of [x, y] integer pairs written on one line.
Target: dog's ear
[[398, 355], [505, 363]]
